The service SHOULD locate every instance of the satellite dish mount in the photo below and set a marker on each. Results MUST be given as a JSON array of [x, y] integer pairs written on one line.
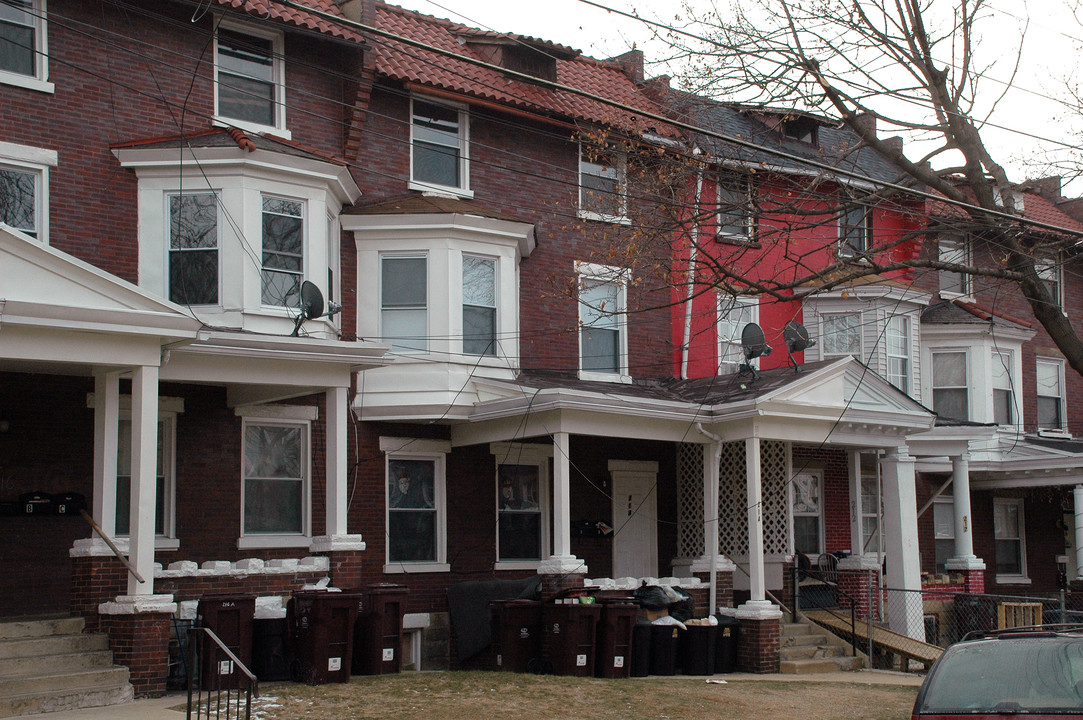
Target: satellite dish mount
[[311, 306], [797, 339], [754, 345]]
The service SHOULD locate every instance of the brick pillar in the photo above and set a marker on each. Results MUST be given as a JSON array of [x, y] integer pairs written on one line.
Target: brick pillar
[[553, 584], [138, 629], [97, 576], [344, 554], [972, 569], [723, 588], [759, 646], [974, 580], [858, 578]]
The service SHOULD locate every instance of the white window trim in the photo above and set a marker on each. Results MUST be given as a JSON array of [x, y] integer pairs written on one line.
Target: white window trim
[[620, 218], [496, 308], [510, 453], [1022, 578], [464, 150], [1062, 431], [36, 160], [621, 277], [280, 415], [277, 39], [1013, 386], [720, 344], [819, 514], [907, 320], [168, 244], [867, 226], [306, 250], [860, 355], [749, 235], [40, 80], [969, 377], [419, 449], [406, 255], [1051, 269], [167, 539], [941, 502]]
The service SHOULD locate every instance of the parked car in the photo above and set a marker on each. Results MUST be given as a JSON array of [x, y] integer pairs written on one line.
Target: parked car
[[1031, 672]]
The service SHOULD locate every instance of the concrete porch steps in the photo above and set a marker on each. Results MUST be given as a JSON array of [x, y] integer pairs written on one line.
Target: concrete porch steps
[[49, 664], [806, 649]]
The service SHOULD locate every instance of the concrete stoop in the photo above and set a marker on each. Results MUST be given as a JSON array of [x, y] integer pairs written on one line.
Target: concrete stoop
[[48, 665], [807, 649]]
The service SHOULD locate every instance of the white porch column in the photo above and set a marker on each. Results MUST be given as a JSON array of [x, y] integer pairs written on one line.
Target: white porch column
[[144, 477], [337, 537], [562, 560], [1077, 497], [964, 558], [901, 543], [106, 425], [758, 606], [857, 520]]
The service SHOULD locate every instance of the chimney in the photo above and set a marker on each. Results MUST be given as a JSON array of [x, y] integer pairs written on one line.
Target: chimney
[[895, 143], [867, 121], [632, 62], [1047, 187], [352, 10]]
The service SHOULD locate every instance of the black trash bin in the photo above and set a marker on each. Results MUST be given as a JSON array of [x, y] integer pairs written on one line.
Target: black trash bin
[[614, 642], [270, 657], [696, 648], [230, 618], [377, 648], [321, 628], [725, 657], [641, 649], [570, 635], [664, 649], [517, 634]]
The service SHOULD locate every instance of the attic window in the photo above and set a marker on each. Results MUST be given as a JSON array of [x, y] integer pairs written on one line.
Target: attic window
[[801, 129]]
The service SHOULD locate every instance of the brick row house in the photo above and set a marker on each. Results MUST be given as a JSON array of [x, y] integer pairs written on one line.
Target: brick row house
[[500, 388]]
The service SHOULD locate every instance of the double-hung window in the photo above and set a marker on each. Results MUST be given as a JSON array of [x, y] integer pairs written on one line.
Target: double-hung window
[[841, 335], [602, 178], [193, 248], [954, 250], [943, 532], [735, 220], [808, 513], [479, 305], [250, 79], [855, 229], [404, 313], [1050, 273], [734, 314], [438, 142], [522, 504], [163, 509], [603, 342], [1050, 381], [897, 335], [24, 188], [951, 394], [1003, 391], [23, 50], [1009, 538], [416, 504], [276, 477], [283, 251]]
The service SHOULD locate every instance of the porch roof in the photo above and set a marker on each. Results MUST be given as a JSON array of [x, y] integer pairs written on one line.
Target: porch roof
[[837, 401]]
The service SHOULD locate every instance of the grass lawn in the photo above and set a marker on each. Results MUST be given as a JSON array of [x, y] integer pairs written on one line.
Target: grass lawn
[[503, 696]]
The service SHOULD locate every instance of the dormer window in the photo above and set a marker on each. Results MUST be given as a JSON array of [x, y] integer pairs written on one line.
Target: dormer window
[[800, 129]]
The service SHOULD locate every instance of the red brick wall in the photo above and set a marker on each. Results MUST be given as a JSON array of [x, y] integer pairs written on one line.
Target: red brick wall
[[759, 646], [836, 517], [141, 642]]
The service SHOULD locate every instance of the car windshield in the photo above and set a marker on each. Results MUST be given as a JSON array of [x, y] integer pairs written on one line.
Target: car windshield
[[1012, 676]]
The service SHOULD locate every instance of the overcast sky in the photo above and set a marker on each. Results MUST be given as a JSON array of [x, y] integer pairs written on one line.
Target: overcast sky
[[1049, 57]]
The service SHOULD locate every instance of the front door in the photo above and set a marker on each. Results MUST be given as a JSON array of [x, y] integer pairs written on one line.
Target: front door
[[635, 518]]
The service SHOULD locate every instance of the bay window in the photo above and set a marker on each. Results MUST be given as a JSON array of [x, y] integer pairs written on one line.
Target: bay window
[[479, 305], [841, 336], [283, 251], [1003, 392], [897, 334], [404, 318], [193, 249], [950, 389]]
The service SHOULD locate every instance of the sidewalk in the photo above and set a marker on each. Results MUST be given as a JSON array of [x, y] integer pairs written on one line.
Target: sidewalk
[[172, 706]]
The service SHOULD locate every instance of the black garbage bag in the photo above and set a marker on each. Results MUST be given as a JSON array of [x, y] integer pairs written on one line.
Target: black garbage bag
[[684, 608], [652, 597]]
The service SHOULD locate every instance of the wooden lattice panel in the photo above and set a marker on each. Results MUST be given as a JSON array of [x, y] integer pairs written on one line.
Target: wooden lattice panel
[[690, 500]]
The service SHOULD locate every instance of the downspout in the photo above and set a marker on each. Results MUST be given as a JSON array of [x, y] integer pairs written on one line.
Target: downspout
[[694, 233], [713, 553]]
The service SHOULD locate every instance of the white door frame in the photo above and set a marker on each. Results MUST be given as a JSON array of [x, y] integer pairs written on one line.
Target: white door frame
[[632, 471]]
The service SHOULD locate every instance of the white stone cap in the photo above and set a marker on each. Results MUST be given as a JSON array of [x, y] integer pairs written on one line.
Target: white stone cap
[[139, 604], [969, 562], [331, 543], [416, 621], [562, 565], [859, 562], [631, 583], [758, 610], [95, 547]]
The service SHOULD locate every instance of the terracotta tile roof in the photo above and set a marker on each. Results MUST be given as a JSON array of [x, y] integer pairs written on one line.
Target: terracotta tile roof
[[271, 10], [230, 137], [404, 62], [1035, 208]]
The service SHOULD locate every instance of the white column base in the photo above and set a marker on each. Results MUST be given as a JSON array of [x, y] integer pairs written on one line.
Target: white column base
[[562, 564], [969, 562], [138, 604], [684, 567], [859, 562], [758, 610], [330, 543], [96, 547]]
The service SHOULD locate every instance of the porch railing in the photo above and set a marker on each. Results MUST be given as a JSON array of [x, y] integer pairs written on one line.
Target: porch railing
[[822, 592], [219, 684]]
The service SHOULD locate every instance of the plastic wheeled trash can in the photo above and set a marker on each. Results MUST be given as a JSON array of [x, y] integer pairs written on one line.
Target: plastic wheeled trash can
[[614, 641], [321, 627], [725, 657], [377, 648], [230, 618], [270, 658], [664, 649], [517, 634], [696, 647], [569, 636], [641, 649]]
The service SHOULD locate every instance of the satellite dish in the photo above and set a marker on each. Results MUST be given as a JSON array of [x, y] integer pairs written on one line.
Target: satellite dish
[[311, 306], [754, 344], [797, 339]]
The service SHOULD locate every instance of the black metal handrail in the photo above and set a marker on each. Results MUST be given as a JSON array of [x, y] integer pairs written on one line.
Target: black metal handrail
[[212, 692], [829, 578]]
